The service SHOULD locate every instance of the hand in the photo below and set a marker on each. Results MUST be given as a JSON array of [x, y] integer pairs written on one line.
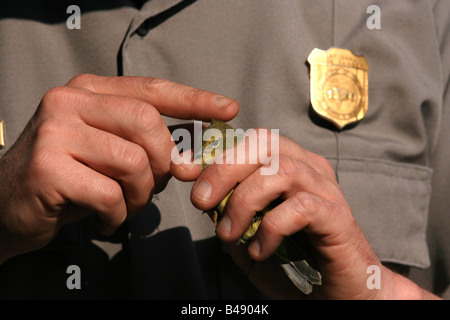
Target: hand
[[314, 202], [99, 145]]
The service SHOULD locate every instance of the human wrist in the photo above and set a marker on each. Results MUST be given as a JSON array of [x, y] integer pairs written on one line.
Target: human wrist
[[398, 287]]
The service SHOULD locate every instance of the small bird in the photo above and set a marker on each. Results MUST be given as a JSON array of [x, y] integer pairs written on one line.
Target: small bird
[[295, 253]]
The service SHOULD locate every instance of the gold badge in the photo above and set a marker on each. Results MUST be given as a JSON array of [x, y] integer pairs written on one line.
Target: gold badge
[[339, 85]]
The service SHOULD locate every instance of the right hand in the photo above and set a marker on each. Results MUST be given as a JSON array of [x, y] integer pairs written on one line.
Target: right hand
[[98, 144]]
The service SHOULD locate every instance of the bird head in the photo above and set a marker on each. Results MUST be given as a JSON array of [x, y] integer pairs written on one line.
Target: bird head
[[214, 141]]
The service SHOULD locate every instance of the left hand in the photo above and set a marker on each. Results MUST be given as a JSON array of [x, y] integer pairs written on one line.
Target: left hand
[[313, 201]]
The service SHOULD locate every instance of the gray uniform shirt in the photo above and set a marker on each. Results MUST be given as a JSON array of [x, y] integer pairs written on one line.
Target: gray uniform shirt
[[254, 51]]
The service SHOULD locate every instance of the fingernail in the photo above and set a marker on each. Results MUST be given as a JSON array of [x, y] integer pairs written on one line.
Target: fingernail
[[203, 190], [222, 102], [224, 226], [255, 247]]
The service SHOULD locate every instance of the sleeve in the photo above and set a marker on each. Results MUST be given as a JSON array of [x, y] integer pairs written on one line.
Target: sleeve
[[439, 222]]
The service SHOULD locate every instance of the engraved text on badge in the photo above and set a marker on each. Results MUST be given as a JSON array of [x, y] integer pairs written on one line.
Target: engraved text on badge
[[339, 85]]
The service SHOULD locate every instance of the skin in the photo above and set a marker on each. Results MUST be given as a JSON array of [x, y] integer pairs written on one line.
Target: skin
[[97, 145], [314, 202]]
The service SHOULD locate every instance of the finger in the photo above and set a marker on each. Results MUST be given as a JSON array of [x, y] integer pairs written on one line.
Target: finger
[[261, 145], [246, 152], [114, 157], [231, 167], [73, 182], [130, 119], [247, 199], [183, 167], [330, 225], [223, 177], [170, 98], [289, 217]]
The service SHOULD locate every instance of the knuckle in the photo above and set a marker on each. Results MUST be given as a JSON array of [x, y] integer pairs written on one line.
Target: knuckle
[[134, 158], [145, 117], [49, 129], [292, 167], [271, 224], [304, 202], [110, 195], [59, 99], [287, 168], [270, 168], [53, 98], [82, 80], [324, 164], [192, 95], [341, 214], [342, 210], [153, 86], [337, 192]]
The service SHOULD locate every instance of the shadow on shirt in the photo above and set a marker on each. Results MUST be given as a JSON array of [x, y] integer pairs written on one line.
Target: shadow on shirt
[[55, 11], [141, 264]]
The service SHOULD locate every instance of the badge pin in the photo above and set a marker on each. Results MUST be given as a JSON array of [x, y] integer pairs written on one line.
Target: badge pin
[[339, 85]]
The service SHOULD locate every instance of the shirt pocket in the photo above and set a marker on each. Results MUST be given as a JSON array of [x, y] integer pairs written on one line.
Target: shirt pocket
[[390, 203]]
